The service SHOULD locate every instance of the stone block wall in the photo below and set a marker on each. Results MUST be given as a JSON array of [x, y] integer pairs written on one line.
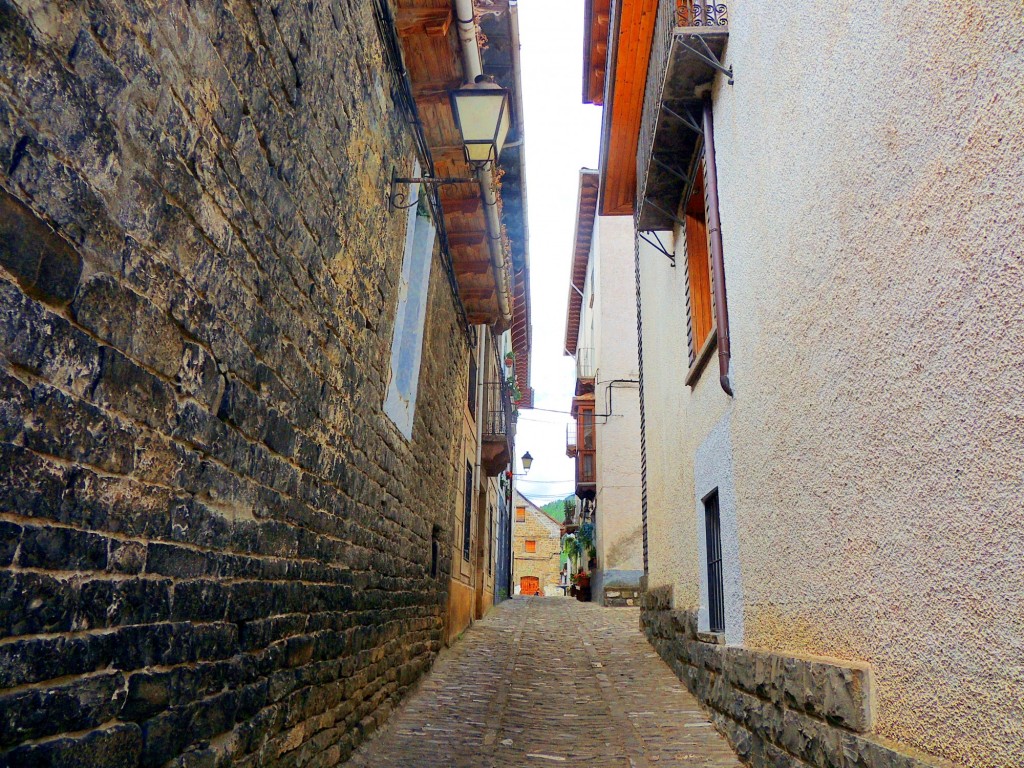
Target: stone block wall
[[777, 709], [621, 597], [215, 549]]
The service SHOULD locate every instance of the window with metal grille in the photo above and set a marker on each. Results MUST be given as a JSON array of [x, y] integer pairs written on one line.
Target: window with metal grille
[[531, 545], [467, 515], [490, 539], [716, 589]]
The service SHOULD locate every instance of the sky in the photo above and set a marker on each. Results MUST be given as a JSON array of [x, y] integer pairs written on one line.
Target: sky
[[562, 136]]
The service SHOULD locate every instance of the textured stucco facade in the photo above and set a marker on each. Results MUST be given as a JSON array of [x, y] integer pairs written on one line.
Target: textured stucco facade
[[871, 181], [619, 535], [604, 342]]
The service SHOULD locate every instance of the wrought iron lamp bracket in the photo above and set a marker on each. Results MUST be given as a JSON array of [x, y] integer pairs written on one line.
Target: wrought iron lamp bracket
[[398, 197], [707, 56]]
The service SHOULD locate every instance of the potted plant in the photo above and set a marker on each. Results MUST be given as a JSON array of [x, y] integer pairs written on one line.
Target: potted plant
[[510, 358]]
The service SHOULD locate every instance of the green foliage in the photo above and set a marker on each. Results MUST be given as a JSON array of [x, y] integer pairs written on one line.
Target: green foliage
[[556, 509], [586, 539]]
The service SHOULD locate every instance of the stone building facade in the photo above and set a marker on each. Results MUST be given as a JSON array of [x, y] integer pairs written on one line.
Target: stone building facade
[[536, 549], [828, 271], [220, 545]]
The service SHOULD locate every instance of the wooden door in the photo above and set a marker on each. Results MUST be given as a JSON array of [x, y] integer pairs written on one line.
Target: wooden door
[[529, 585]]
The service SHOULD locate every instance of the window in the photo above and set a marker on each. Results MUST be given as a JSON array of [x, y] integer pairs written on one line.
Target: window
[[407, 340], [586, 471], [531, 545], [716, 590], [520, 514], [467, 514], [698, 269], [472, 385]]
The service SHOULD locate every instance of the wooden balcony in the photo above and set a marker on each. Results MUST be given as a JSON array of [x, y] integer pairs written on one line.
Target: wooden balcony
[[499, 429], [689, 43]]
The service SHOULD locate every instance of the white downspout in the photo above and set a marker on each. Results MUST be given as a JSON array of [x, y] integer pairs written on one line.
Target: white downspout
[[471, 66]]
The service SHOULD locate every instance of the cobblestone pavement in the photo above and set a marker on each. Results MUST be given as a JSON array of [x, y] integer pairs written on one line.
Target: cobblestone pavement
[[549, 682]]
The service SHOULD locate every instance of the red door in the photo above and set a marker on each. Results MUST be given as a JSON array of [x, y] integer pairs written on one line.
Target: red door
[[529, 585]]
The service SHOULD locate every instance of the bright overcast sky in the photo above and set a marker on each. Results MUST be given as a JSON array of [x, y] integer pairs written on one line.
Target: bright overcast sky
[[561, 137]]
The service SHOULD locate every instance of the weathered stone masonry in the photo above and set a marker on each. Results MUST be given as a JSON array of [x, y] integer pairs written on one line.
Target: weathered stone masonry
[[779, 710], [214, 547]]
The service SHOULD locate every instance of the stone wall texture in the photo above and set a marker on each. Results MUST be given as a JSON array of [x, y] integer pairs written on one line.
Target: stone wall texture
[[777, 709], [214, 547]]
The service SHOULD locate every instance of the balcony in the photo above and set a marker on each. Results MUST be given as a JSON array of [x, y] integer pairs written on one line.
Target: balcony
[[499, 429], [586, 450], [586, 370], [689, 41]]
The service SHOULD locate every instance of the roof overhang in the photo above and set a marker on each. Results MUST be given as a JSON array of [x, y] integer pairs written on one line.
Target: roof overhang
[[630, 37], [586, 210], [432, 57], [596, 16], [499, 22]]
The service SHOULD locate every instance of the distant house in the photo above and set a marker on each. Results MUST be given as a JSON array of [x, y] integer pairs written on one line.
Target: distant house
[[536, 549]]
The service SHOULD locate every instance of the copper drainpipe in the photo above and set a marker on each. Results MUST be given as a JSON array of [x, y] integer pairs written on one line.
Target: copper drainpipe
[[717, 263]]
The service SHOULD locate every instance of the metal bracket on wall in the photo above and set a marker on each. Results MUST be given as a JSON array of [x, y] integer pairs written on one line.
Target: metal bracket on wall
[[672, 216], [686, 118], [398, 197], [657, 244], [707, 56], [673, 170]]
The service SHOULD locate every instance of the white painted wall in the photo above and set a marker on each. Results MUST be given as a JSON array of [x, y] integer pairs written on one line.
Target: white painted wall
[[872, 201], [609, 324]]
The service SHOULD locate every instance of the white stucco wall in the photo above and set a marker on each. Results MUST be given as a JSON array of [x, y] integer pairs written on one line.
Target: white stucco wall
[[872, 199], [619, 523]]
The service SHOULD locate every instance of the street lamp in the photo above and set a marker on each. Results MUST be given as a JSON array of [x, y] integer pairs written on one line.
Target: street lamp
[[482, 113], [527, 460], [483, 116]]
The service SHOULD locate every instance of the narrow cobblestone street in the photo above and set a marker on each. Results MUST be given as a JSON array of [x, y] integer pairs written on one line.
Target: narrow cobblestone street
[[549, 681]]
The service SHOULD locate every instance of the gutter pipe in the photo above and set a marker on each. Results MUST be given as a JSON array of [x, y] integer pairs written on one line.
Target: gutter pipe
[[717, 262], [465, 20]]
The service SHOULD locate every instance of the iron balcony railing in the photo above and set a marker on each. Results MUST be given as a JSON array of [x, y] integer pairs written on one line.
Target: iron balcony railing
[[694, 14], [585, 363], [498, 419], [672, 15]]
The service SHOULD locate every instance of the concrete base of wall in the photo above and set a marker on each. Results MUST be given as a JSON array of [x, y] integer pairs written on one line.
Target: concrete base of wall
[[617, 589], [777, 710]]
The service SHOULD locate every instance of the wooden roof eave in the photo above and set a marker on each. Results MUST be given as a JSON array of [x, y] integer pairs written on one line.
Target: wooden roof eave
[[586, 207], [432, 54], [630, 37]]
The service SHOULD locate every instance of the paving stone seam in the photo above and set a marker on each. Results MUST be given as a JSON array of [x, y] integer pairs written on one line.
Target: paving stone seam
[[635, 748]]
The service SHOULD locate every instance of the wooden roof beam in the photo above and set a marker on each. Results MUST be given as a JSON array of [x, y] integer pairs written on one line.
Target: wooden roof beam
[[432, 22]]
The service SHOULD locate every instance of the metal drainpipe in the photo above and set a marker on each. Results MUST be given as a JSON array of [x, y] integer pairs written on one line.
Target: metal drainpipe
[[717, 262], [471, 67], [481, 413]]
